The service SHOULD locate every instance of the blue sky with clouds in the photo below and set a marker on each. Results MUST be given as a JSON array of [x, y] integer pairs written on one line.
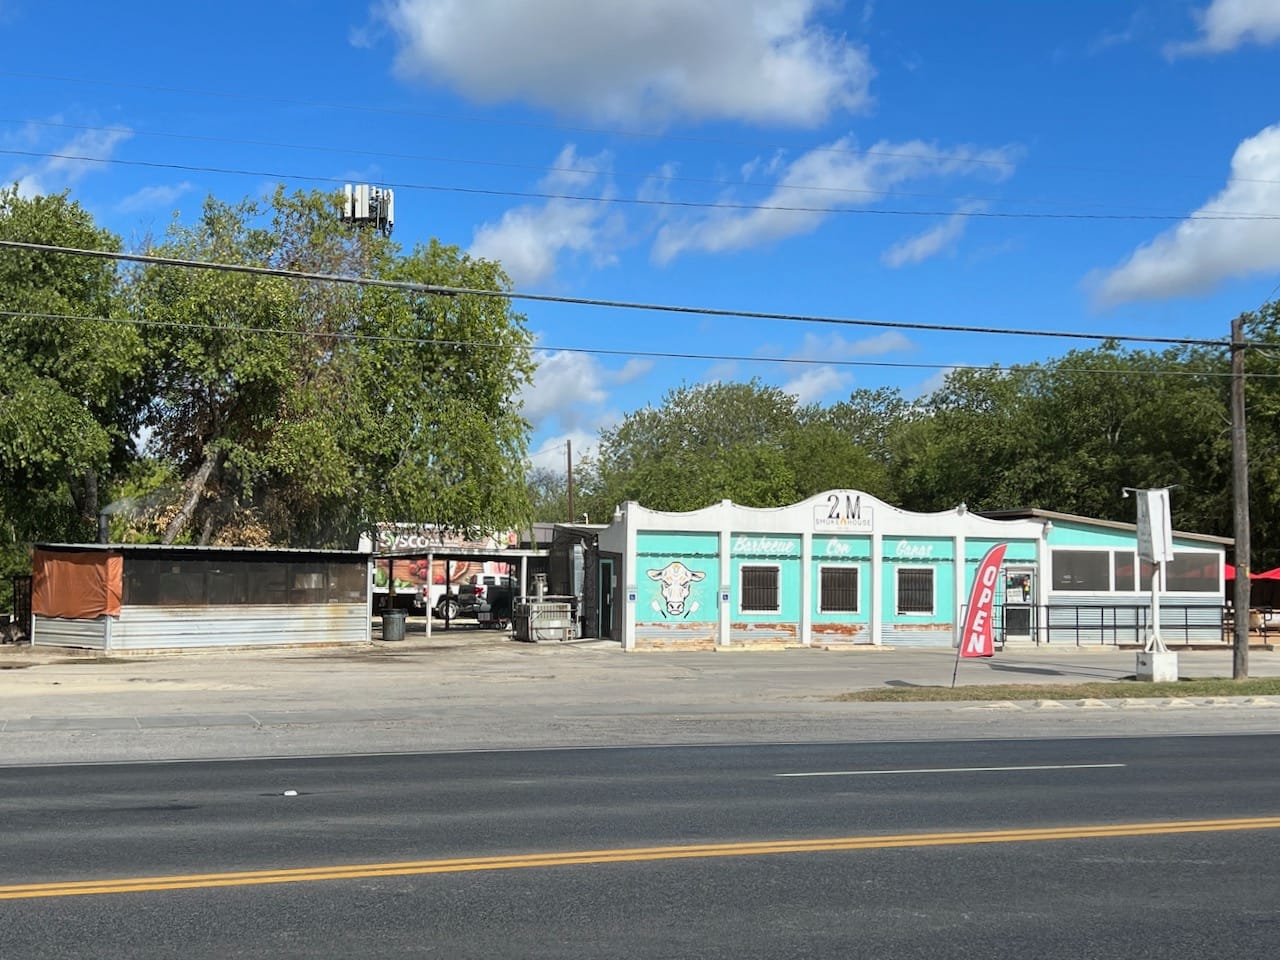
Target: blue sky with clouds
[[1094, 166]]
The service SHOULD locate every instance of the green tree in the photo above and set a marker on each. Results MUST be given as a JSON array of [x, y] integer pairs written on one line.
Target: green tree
[[303, 411], [1262, 402], [967, 443], [1070, 433], [70, 384], [548, 495], [747, 442]]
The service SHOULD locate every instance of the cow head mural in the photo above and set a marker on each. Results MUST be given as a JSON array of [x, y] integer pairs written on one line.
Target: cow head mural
[[674, 580]]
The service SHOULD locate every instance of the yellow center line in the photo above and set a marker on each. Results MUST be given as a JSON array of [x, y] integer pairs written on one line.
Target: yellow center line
[[359, 871]]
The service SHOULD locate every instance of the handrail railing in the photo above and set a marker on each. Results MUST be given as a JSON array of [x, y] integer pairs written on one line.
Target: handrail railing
[[1119, 624]]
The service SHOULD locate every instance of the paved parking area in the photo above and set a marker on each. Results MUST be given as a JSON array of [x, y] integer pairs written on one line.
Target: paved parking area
[[477, 689]]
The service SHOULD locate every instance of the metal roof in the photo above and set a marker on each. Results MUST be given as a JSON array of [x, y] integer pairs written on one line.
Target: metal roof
[[194, 548], [464, 553], [1029, 513]]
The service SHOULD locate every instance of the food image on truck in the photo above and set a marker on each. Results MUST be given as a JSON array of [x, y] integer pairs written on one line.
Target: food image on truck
[[419, 583]]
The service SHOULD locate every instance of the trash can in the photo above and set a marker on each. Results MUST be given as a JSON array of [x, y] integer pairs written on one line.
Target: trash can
[[393, 624]]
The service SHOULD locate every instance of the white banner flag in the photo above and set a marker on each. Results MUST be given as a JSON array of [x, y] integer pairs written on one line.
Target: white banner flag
[[1155, 530]]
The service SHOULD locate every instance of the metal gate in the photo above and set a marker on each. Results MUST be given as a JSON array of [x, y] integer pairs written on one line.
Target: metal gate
[[21, 609]]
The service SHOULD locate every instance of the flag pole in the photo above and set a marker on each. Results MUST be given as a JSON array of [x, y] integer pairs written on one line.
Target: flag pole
[[955, 670], [977, 636]]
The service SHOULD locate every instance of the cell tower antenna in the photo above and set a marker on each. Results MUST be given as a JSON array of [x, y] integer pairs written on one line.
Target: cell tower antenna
[[366, 205]]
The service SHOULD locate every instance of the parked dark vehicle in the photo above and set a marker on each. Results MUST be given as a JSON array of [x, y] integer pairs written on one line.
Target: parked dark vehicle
[[486, 597], [489, 598]]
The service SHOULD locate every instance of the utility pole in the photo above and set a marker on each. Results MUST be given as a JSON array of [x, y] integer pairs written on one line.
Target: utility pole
[[1240, 496], [568, 446]]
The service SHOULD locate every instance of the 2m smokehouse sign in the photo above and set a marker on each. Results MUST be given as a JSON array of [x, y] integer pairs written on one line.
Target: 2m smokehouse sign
[[842, 512]]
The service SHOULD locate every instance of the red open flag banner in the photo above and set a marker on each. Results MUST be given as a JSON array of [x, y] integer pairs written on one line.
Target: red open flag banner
[[978, 638]]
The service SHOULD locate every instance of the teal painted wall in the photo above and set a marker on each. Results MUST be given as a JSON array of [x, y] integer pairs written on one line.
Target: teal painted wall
[[678, 543], [944, 592], [698, 552], [933, 553], [1019, 551], [1067, 534], [766, 549], [918, 549], [841, 551]]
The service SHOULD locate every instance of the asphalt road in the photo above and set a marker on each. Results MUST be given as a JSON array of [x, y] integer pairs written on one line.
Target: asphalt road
[[1010, 848]]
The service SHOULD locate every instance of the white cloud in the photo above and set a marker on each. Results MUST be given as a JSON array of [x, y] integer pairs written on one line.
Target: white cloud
[[836, 347], [529, 239], [566, 386], [763, 61], [570, 392], [1197, 254], [68, 163], [632, 370], [552, 453], [933, 382], [808, 184], [1227, 24], [150, 198], [657, 186], [816, 383], [922, 246], [723, 371]]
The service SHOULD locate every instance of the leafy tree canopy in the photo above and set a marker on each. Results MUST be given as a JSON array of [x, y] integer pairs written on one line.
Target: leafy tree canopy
[[300, 412], [69, 385]]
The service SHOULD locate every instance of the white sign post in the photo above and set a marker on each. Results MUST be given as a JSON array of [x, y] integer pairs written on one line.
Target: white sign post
[[1156, 662]]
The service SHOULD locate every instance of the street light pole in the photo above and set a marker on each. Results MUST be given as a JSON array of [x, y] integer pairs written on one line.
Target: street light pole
[[1155, 545]]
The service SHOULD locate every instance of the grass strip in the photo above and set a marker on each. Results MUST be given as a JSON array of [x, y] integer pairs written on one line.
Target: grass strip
[[1104, 690]]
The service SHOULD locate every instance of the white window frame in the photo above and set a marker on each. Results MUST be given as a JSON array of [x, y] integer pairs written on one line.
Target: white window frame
[[857, 592], [933, 591], [777, 597], [1111, 569], [1209, 556]]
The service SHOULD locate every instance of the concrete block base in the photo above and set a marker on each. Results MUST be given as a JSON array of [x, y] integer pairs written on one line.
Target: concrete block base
[[1158, 667]]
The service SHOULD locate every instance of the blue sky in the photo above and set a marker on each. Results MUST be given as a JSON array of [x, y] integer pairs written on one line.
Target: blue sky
[[1027, 166]]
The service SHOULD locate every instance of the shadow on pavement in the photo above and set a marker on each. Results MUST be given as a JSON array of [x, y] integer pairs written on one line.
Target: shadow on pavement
[[1042, 671]]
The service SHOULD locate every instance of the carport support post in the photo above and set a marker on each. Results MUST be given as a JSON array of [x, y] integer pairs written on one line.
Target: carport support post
[[426, 594]]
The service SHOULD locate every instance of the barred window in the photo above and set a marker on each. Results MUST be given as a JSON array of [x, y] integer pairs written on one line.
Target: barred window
[[838, 590], [915, 590], [759, 590]]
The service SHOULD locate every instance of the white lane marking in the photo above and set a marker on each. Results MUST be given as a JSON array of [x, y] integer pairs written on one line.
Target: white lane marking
[[882, 773]]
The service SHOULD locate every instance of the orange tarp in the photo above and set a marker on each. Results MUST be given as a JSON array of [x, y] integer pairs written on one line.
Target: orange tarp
[[76, 585]]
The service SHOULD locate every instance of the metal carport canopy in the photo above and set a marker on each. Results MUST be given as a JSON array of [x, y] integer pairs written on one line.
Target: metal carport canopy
[[500, 554]]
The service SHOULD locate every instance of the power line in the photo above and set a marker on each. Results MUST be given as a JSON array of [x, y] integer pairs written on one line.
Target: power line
[[541, 168], [366, 109], [452, 291], [607, 352], [650, 201]]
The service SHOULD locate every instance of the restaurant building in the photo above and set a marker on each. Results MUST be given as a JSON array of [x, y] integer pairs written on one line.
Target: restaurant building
[[844, 567]]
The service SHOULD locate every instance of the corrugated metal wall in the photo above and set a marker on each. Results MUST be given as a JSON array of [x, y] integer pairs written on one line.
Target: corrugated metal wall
[[176, 628], [918, 635], [83, 634], [1089, 620]]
